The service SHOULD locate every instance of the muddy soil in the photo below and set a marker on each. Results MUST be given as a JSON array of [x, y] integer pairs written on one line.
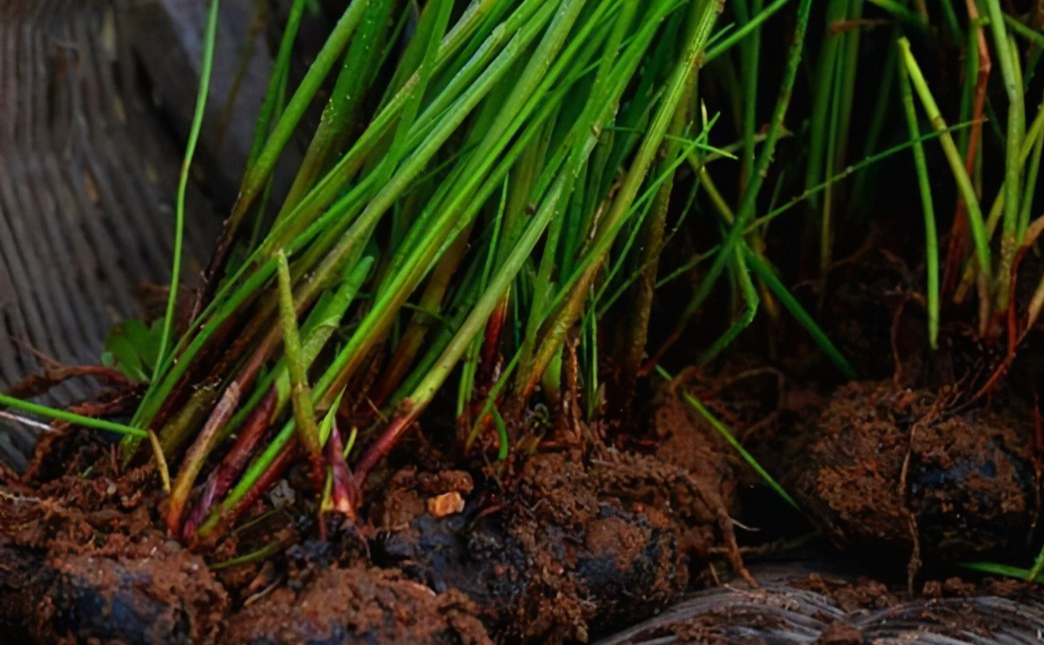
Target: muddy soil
[[581, 539], [86, 586], [562, 546], [586, 533], [891, 469]]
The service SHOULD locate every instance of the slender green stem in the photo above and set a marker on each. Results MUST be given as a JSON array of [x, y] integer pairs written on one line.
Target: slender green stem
[[953, 157], [209, 39], [931, 242], [743, 320], [277, 83], [301, 394], [794, 307], [745, 30], [865, 163], [1030, 34], [748, 204], [70, 417], [299, 102], [269, 550], [1007, 54], [703, 18]]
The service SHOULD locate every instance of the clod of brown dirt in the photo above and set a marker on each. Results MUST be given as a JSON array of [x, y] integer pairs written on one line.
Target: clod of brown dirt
[[889, 469], [147, 593], [600, 555], [80, 563], [688, 479], [686, 441], [559, 558], [359, 605], [841, 633], [22, 579]]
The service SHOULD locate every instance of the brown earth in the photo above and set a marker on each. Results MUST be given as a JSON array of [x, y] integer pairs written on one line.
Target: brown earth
[[557, 547], [585, 533], [577, 540], [892, 469]]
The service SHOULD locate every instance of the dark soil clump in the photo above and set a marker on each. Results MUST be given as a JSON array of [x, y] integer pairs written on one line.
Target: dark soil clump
[[889, 468], [570, 550], [564, 545], [136, 594], [560, 546], [363, 605]]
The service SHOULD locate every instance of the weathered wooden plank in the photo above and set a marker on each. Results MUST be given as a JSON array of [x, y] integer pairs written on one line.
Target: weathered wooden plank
[[95, 98]]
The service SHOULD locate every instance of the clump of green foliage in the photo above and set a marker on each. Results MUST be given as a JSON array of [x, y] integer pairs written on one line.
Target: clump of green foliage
[[460, 209]]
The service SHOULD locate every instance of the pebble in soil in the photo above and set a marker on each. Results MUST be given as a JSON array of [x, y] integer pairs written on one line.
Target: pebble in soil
[[890, 470]]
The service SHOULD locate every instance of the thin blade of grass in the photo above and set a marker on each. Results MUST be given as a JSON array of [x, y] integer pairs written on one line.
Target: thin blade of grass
[[931, 244], [206, 69]]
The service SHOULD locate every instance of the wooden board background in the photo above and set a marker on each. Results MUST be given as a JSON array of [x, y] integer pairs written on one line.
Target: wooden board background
[[95, 98]]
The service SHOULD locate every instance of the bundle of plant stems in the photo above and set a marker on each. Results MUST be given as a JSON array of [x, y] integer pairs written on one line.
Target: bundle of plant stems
[[460, 212]]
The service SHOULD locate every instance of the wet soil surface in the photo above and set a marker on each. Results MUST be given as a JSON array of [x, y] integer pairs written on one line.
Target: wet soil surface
[[890, 468], [562, 546], [581, 539], [589, 530]]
